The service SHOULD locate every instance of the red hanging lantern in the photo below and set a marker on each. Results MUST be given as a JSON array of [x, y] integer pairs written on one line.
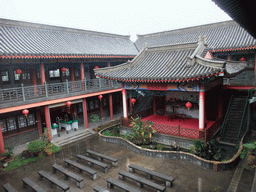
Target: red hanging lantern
[[68, 103], [133, 101], [25, 112], [18, 71], [242, 59], [96, 67], [100, 97], [63, 69], [188, 105]]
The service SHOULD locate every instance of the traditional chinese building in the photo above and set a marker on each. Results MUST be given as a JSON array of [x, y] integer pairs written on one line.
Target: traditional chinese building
[[46, 75], [181, 76], [49, 71], [228, 41]]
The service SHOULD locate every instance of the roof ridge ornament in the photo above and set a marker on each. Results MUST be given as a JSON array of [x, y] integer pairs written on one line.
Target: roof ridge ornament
[[202, 39], [191, 60], [129, 63], [145, 45]]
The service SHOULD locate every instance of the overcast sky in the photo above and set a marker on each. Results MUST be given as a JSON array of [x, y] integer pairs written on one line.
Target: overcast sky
[[128, 17]]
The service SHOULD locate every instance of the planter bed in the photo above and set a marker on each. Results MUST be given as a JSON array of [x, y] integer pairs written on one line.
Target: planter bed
[[213, 165]]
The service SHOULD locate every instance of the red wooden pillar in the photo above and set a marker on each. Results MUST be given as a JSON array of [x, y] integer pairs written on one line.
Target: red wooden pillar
[[75, 110], [201, 109], [82, 74], [34, 81], [38, 121], [165, 105], [108, 63], [2, 150], [130, 102], [42, 73], [125, 111], [85, 114], [229, 56], [72, 74], [154, 105], [111, 107], [220, 107], [101, 109], [48, 122]]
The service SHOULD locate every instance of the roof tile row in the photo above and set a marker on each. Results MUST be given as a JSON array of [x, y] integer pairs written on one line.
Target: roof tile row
[[21, 38]]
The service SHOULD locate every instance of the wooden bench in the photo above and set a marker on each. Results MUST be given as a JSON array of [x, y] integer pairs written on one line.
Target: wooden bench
[[102, 156], [82, 168], [79, 180], [140, 181], [91, 162], [7, 187], [112, 182], [28, 182], [100, 189], [151, 174], [53, 180]]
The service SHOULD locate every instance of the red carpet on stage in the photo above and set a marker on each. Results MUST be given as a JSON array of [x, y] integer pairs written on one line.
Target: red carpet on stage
[[189, 123]]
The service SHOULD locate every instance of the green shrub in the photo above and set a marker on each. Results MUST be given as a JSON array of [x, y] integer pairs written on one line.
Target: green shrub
[[55, 149], [128, 136], [116, 130], [248, 147], [8, 151], [18, 162], [108, 133], [160, 147], [94, 118], [36, 146]]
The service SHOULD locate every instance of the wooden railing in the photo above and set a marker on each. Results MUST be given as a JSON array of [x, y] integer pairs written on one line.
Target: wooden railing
[[64, 89], [209, 133], [204, 135]]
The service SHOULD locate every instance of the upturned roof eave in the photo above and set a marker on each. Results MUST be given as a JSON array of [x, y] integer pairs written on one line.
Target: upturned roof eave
[[161, 80], [232, 49]]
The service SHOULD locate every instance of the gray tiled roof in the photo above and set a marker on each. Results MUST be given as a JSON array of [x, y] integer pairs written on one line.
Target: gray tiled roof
[[22, 38], [172, 63], [243, 12], [181, 62], [222, 35]]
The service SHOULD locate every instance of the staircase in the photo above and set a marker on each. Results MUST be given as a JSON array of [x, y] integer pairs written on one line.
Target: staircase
[[144, 103], [76, 136], [236, 120]]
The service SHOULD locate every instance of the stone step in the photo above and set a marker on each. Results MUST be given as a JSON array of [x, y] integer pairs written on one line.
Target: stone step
[[73, 138]]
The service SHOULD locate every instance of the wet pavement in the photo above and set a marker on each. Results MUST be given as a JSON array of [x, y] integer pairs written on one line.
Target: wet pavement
[[188, 177]]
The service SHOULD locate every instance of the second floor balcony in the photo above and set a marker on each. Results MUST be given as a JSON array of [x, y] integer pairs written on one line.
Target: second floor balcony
[[30, 94]]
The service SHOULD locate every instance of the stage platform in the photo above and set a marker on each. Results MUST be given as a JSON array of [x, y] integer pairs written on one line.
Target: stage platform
[[180, 126]]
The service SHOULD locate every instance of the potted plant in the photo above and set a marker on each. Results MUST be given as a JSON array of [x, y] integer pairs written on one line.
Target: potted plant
[[48, 151], [36, 147]]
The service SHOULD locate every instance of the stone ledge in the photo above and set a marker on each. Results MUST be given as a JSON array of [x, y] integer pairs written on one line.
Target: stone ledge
[[213, 165]]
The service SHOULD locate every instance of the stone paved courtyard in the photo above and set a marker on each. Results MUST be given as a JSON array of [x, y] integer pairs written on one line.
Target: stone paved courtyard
[[188, 177]]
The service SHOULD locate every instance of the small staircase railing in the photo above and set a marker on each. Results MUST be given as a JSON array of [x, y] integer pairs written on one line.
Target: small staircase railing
[[226, 116], [244, 121]]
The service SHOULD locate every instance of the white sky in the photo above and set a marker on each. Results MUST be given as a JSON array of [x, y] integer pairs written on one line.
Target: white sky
[[115, 16]]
